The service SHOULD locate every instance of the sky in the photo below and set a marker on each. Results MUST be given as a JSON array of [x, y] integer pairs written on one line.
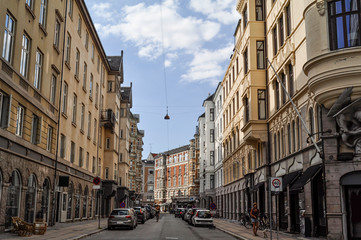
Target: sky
[[175, 54]]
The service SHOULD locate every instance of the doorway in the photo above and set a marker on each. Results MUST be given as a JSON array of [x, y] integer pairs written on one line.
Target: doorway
[[294, 212], [353, 208]]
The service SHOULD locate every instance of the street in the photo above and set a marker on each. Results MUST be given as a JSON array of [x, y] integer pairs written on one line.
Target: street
[[168, 227]]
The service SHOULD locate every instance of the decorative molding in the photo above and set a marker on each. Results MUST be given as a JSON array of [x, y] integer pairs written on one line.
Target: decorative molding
[[321, 7]]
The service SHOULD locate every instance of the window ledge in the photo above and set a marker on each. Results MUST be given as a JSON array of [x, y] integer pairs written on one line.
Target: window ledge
[[94, 143], [42, 27], [88, 137], [56, 48], [67, 65], [64, 115], [76, 77], [30, 11], [84, 89], [74, 124], [82, 131], [91, 98]]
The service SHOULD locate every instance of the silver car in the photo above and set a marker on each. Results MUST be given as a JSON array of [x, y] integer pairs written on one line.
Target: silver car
[[202, 217], [122, 217]]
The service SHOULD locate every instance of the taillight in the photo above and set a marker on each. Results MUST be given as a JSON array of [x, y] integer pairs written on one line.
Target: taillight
[[140, 211], [111, 216], [128, 216], [197, 214], [211, 215]]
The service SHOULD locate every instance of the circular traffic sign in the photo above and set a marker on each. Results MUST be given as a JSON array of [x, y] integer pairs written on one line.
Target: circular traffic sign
[[122, 204], [96, 181], [276, 183], [213, 206]]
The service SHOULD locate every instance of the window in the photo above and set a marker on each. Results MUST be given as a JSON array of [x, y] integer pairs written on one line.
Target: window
[[246, 109], [52, 89], [8, 38], [92, 53], [110, 86], [24, 60], [275, 145], [87, 160], [67, 51], [70, 11], [311, 121], [261, 104], [277, 94], [283, 95], [96, 94], [275, 46], [95, 130], [72, 152], [79, 26], [30, 199], [86, 40], [211, 114], [29, 3], [288, 20], [245, 17], [81, 156], [77, 61], [293, 136], [290, 80], [106, 173], [85, 75], [20, 121], [56, 34], [38, 69], [91, 86], [280, 30], [245, 59], [49, 139], [94, 165], [344, 23], [298, 133], [75, 102], [42, 17], [89, 123], [35, 129], [82, 115], [62, 146], [289, 138], [260, 54], [211, 135], [65, 98], [211, 157], [259, 10]]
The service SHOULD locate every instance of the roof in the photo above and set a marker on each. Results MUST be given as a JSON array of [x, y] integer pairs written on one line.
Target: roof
[[114, 62], [126, 93], [209, 98], [175, 150], [202, 116]]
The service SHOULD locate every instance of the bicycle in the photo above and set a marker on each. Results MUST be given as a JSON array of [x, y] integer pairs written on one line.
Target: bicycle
[[246, 220]]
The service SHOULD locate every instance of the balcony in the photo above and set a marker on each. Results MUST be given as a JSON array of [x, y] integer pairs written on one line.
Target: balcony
[[107, 118], [255, 130]]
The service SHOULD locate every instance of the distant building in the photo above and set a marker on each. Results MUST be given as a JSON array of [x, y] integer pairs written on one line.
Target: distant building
[[147, 192]]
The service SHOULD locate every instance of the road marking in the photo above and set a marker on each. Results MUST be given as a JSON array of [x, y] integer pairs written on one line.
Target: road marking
[[171, 238]]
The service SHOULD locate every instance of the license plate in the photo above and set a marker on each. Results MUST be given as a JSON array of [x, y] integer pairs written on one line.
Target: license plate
[[120, 222]]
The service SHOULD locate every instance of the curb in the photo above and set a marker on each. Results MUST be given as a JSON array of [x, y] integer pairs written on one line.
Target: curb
[[87, 234], [233, 234]]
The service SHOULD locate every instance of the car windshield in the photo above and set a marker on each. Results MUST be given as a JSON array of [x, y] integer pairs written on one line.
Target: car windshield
[[204, 214], [119, 212]]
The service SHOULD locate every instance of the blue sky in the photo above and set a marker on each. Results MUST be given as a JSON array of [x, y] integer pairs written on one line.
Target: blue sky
[[196, 46]]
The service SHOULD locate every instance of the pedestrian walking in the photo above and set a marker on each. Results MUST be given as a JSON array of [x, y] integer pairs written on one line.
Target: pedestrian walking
[[157, 212], [254, 218]]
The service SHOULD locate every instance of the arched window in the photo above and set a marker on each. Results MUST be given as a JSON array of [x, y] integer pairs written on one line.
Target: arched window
[[282, 144], [77, 202], [30, 200], [179, 180], [91, 204], [85, 202], [70, 201], [13, 199], [278, 145], [275, 146], [289, 138], [293, 136], [45, 200], [298, 134]]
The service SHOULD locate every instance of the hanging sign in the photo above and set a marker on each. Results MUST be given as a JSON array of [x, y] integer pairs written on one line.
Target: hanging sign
[[276, 184]]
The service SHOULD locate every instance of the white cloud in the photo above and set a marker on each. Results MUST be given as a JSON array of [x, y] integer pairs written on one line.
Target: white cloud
[[206, 65], [142, 25], [223, 11], [103, 10]]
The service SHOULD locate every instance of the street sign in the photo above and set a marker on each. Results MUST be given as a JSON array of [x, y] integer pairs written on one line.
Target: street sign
[[122, 204], [276, 184], [213, 206], [96, 181], [96, 186]]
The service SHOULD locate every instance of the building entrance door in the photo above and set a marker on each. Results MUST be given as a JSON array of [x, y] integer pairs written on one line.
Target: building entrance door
[[353, 200], [64, 207]]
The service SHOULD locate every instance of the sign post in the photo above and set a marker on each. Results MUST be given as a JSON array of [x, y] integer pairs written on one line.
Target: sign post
[[276, 188], [96, 182]]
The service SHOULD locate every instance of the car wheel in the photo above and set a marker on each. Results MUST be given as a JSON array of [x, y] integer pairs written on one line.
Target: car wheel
[[132, 227], [110, 228], [143, 221]]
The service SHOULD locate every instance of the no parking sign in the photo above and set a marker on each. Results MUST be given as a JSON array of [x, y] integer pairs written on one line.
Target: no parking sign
[[276, 184]]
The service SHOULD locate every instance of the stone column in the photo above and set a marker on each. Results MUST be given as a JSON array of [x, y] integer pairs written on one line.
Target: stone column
[[224, 205], [237, 205]]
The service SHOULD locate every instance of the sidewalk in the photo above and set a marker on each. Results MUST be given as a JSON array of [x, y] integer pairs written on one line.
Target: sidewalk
[[235, 229], [62, 231]]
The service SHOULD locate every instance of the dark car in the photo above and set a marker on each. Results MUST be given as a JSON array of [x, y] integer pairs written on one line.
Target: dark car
[[122, 217], [150, 211], [179, 212], [141, 214]]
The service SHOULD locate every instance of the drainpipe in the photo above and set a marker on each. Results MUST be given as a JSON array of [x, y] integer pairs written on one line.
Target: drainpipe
[[54, 209]]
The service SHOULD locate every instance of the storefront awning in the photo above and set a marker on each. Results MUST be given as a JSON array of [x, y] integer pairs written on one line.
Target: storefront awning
[[305, 177], [289, 178], [255, 187]]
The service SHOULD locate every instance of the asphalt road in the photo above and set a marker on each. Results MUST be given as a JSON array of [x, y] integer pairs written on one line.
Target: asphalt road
[[168, 228]]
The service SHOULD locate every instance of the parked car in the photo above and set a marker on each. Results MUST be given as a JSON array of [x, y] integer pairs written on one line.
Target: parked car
[[122, 217], [202, 217], [149, 211], [189, 214], [141, 214], [178, 212]]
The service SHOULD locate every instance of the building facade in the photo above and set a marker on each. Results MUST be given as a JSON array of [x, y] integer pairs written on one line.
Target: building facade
[[148, 180]]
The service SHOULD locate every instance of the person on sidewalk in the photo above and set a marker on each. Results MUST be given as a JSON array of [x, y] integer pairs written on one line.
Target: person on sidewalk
[[254, 218], [157, 212]]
